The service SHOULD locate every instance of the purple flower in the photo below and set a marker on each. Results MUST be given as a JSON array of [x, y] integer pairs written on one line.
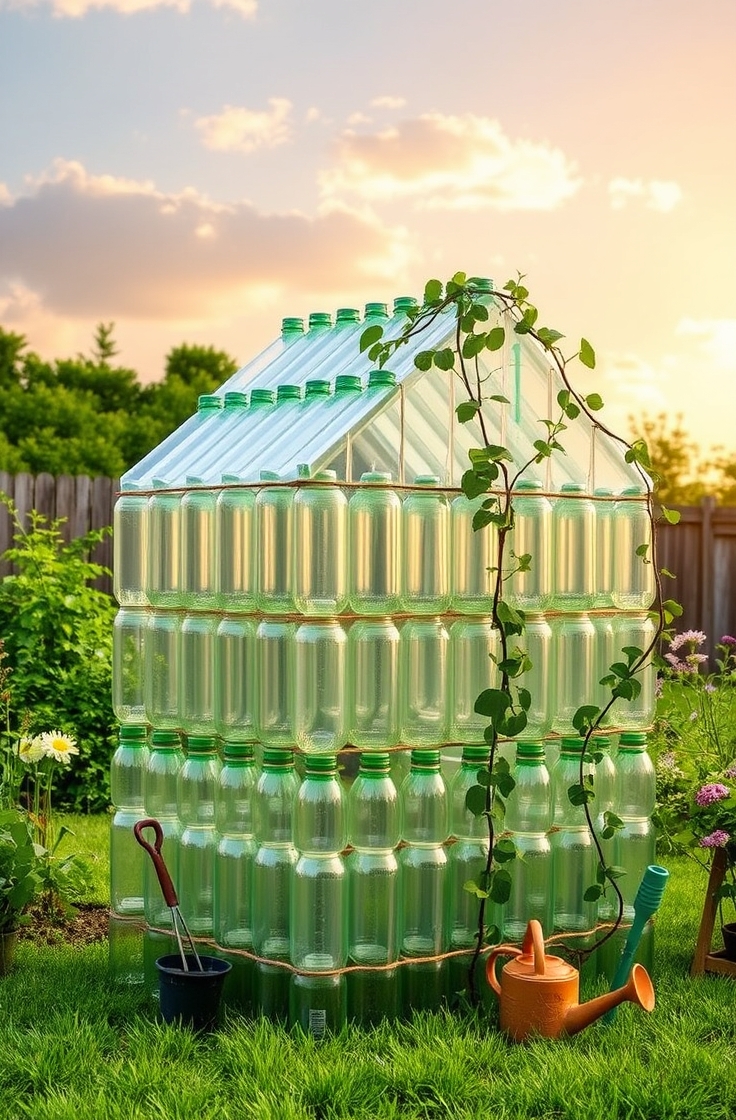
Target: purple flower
[[731, 772], [717, 839], [711, 792], [677, 665], [727, 640], [696, 658], [694, 637]]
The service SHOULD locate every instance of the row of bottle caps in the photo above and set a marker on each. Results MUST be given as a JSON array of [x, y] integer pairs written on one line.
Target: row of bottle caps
[[307, 549], [374, 684]]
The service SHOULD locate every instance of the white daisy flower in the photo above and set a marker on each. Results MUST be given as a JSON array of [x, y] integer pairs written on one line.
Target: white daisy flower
[[31, 750], [59, 747]]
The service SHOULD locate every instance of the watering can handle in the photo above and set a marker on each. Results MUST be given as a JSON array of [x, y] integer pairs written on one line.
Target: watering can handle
[[167, 887], [499, 951], [532, 945]]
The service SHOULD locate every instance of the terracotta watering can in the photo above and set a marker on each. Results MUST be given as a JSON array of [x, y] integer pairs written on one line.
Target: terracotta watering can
[[539, 994]]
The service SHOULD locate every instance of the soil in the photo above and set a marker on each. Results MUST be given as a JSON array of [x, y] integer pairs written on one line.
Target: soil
[[86, 923]]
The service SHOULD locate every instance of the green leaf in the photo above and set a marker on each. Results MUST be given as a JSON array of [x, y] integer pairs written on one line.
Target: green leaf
[[423, 360], [444, 359], [493, 703], [525, 699], [472, 888], [584, 717], [467, 411], [642, 549], [473, 484], [673, 607], [668, 573], [501, 886], [592, 894], [615, 873], [499, 398], [432, 291], [548, 337], [475, 801], [473, 344], [672, 516], [495, 338], [587, 354], [370, 335], [577, 795], [504, 851], [513, 725], [594, 401], [481, 518]]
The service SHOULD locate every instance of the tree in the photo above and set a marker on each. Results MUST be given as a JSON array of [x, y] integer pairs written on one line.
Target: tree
[[684, 476]]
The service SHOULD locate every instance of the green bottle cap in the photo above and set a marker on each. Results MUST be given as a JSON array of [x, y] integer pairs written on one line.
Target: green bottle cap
[[160, 484], [270, 476], [288, 393], [348, 382], [527, 484], [193, 480], [261, 396], [239, 752], [201, 744], [425, 760], [375, 476], [130, 732], [572, 488], [380, 378], [318, 320], [325, 476], [277, 758], [292, 326], [404, 303], [603, 492], [376, 311], [601, 741], [347, 315], [231, 478], [374, 762], [571, 745], [320, 765], [482, 283], [318, 388], [530, 750], [427, 480], [165, 740], [129, 487], [632, 741], [236, 399], [208, 400], [475, 755]]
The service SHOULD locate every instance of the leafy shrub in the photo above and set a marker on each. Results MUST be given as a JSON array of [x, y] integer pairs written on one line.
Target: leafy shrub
[[57, 633]]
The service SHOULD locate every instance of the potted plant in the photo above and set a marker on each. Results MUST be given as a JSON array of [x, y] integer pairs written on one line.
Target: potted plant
[[20, 878]]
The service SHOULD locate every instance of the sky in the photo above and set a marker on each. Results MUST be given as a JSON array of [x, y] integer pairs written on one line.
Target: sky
[[194, 170]]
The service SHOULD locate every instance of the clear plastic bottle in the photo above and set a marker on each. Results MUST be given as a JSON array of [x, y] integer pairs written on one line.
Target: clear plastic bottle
[[235, 546], [127, 783], [375, 562], [198, 548], [374, 832], [633, 576], [129, 664], [163, 586], [531, 535], [574, 542], [574, 856], [275, 682], [320, 678], [604, 779], [130, 547], [319, 900], [604, 521], [320, 547], [235, 678], [474, 556], [540, 681], [275, 361], [422, 882], [467, 859], [161, 461], [161, 686], [197, 674], [165, 760], [331, 421], [236, 853], [637, 631], [528, 819], [373, 673], [276, 791], [423, 694], [574, 640], [274, 532], [196, 791], [426, 548], [235, 420], [604, 654], [255, 448], [473, 644]]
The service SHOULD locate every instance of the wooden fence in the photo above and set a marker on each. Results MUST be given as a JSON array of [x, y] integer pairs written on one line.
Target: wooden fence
[[700, 550]]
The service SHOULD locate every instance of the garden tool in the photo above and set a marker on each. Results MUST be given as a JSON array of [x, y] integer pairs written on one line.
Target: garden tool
[[646, 903], [167, 887], [539, 994]]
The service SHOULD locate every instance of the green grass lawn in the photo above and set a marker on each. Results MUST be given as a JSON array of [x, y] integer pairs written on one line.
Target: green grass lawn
[[73, 1047]]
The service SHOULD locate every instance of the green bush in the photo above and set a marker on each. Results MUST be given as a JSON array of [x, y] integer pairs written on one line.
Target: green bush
[[57, 635]]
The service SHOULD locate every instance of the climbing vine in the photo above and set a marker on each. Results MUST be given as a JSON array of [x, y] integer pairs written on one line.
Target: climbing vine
[[491, 476]]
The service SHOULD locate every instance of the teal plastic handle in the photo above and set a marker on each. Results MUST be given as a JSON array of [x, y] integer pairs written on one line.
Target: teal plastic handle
[[646, 903]]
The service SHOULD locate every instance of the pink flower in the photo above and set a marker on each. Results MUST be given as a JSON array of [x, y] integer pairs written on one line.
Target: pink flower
[[688, 637], [727, 640], [731, 772], [717, 839], [711, 792]]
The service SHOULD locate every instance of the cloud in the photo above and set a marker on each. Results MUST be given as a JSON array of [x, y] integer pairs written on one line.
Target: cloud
[[97, 246], [389, 102], [716, 338], [5, 196], [657, 194], [633, 382], [75, 9], [450, 162], [237, 129]]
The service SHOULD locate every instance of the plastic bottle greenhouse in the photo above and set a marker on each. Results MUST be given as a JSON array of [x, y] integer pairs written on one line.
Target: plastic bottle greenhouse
[[303, 630]]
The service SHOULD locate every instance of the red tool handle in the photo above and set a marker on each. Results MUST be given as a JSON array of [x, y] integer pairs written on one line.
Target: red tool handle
[[167, 887]]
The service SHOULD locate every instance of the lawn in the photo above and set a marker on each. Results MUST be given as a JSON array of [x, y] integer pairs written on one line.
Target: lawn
[[74, 1047]]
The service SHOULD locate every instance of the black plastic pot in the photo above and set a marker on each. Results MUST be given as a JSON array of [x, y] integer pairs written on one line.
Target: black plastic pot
[[192, 998], [729, 940]]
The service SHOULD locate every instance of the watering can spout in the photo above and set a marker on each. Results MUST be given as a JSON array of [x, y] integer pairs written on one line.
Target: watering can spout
[[639, 990]]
